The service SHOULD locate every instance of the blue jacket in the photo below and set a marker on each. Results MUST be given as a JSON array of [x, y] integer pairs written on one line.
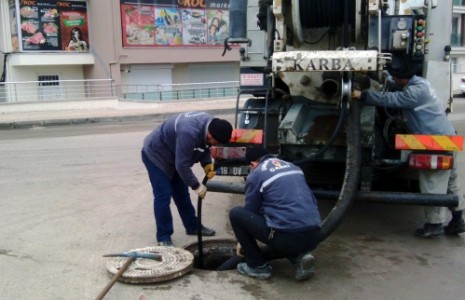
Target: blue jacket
[[178, 144], [425, 114], [278, 190]]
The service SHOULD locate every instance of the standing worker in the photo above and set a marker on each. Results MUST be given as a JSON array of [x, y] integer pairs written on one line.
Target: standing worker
[[425, 114], [169, 152], [280, 211]]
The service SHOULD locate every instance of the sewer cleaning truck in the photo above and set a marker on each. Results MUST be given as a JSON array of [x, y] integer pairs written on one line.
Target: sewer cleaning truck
[[301, 60]]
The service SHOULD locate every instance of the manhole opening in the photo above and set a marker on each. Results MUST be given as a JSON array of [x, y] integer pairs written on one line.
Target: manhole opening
[[217, 255]]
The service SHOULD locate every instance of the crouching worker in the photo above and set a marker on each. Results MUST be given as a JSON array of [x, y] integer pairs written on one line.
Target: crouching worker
[[280, 211]]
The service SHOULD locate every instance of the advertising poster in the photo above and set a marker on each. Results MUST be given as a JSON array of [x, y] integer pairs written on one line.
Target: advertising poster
[[53, 25], [193, 27], [13, 26], [139, 24], [168, 27], [74, 30], [164, 23], [218, 26]]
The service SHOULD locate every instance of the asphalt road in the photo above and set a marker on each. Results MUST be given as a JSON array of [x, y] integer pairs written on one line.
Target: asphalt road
[[71, 194]]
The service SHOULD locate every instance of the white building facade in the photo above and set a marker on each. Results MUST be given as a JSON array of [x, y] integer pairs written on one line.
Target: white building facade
[[142, 43]]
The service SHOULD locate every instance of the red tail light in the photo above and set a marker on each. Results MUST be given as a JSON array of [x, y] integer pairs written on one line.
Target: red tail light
[[431, 161]]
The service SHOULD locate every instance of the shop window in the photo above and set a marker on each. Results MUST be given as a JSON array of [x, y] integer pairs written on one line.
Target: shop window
[[456, 35], [50, 88], [453, 62], [49, 80]]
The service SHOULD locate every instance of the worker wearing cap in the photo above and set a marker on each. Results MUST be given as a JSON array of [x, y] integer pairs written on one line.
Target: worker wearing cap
[[424, 114], [169, 152], [280, 211]]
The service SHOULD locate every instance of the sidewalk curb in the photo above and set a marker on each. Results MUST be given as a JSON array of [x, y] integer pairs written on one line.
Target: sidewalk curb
[[102, 119]]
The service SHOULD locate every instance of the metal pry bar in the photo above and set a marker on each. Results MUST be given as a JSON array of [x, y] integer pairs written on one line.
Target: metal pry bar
[[136, 255], [132, 256]]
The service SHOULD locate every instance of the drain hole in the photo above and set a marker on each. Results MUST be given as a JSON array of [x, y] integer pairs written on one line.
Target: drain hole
[[213, 258], [218, 255]]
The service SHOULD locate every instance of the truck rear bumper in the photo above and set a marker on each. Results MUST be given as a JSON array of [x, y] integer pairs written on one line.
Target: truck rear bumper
[[373, 196]]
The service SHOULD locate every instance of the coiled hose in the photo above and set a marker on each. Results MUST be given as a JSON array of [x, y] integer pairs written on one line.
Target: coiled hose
[[325, 13]]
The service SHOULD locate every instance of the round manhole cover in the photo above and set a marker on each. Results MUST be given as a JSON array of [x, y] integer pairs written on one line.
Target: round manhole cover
[[175, 263]]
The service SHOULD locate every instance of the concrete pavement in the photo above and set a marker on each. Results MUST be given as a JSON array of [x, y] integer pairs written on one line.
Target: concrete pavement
[[70, 196], [116, 111]]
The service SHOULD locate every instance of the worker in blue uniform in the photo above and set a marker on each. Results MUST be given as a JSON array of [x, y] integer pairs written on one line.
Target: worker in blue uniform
[[168, 153], [280, 211], [424, 114]]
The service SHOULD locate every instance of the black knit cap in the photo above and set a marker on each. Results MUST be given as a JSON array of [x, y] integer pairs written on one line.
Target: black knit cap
[[403, 68], [254, 153], [403, 73], [221, 130]]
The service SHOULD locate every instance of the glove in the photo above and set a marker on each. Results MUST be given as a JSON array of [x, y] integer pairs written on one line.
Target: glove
[[356, 94], [239, 251], [209, 171], [201, 191]]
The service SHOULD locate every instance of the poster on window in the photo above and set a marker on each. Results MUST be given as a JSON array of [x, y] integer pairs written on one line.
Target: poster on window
[[48, 25], [171, 23]]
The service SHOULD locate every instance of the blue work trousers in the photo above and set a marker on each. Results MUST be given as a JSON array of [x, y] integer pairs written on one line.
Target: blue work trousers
[[163, 189], [250, 227]]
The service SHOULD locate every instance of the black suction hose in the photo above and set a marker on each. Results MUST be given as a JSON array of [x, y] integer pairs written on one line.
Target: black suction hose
[[351, 176], [199, 230]]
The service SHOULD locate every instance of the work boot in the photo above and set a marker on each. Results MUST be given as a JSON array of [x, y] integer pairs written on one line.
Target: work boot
[[304, 266], [455, 227], [430, 230], [261, 272], [205, 231], [166, 243]]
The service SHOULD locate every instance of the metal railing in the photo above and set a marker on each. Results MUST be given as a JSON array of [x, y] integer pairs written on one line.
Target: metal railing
[[65, 90], [168, 92], [56, 90]]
